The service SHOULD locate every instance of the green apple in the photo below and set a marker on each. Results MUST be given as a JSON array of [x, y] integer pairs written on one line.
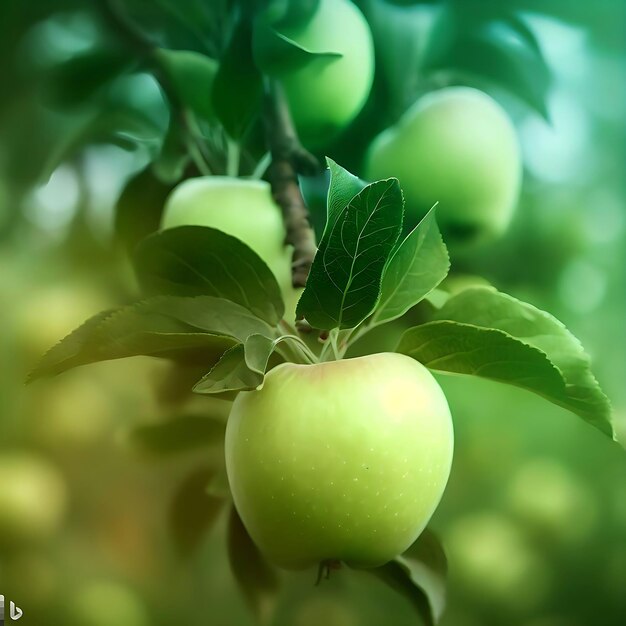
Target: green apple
[[339, 461], [32, 499], [241, 208], [457, 147], [327, 93]]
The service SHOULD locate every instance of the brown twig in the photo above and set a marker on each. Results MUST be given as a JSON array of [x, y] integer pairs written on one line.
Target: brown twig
[[289, 159]]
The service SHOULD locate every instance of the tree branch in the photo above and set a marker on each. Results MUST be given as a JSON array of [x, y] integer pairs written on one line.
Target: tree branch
[[146, 49], [289, 159]]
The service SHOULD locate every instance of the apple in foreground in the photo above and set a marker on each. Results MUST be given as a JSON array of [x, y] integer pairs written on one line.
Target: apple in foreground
[[457, 147], [241, 208], [339, 461]]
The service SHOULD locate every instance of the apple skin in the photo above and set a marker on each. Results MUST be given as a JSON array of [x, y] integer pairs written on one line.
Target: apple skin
[[32, 499], [325, 95], [455, 146], [241, 208], [339, 461]]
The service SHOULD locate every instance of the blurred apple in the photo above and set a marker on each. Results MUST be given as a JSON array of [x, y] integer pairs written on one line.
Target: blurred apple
[[490, 558], [49, 313], [32, 499], [457, 147], [544, 495], [327, 93], [104, 603], [56, 412]]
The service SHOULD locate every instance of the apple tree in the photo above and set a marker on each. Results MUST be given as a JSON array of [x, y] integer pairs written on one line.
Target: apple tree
[[314, 158]]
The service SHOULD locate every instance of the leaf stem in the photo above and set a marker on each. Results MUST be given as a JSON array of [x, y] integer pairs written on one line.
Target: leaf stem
[[261, 166], [305, 349], [233, 156], [196, 156]]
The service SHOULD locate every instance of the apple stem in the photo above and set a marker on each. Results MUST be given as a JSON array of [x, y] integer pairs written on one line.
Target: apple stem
[[289, 159], [325, 568]]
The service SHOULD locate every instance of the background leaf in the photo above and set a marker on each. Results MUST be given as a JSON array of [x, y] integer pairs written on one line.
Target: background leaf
[[192, 75], [420, 575], [344, 283], [256, 578], [276, 53], [418, 265], [139, 207], [81, 77], [238, 86], [496, 46], [489, 308], [193, 511], [181, 434], [191, 261]]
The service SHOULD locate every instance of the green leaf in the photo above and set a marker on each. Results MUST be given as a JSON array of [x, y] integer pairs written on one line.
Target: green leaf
[[243, 367], [173, 159], [420, 575], [257, 580], [342, 188], [78, 79], [345, 280], [488, 308], [499, 48], [417, 266], [113, 124], [238, 85], [180, 434], [230, 373], [197, 260], [138, 209], [192, 75], [193, 512], [168, 327], [218, 485], [285, 13], [458, 348], [276, 53]]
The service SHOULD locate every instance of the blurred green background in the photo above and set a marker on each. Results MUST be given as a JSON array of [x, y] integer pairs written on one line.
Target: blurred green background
[[534, 518]]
